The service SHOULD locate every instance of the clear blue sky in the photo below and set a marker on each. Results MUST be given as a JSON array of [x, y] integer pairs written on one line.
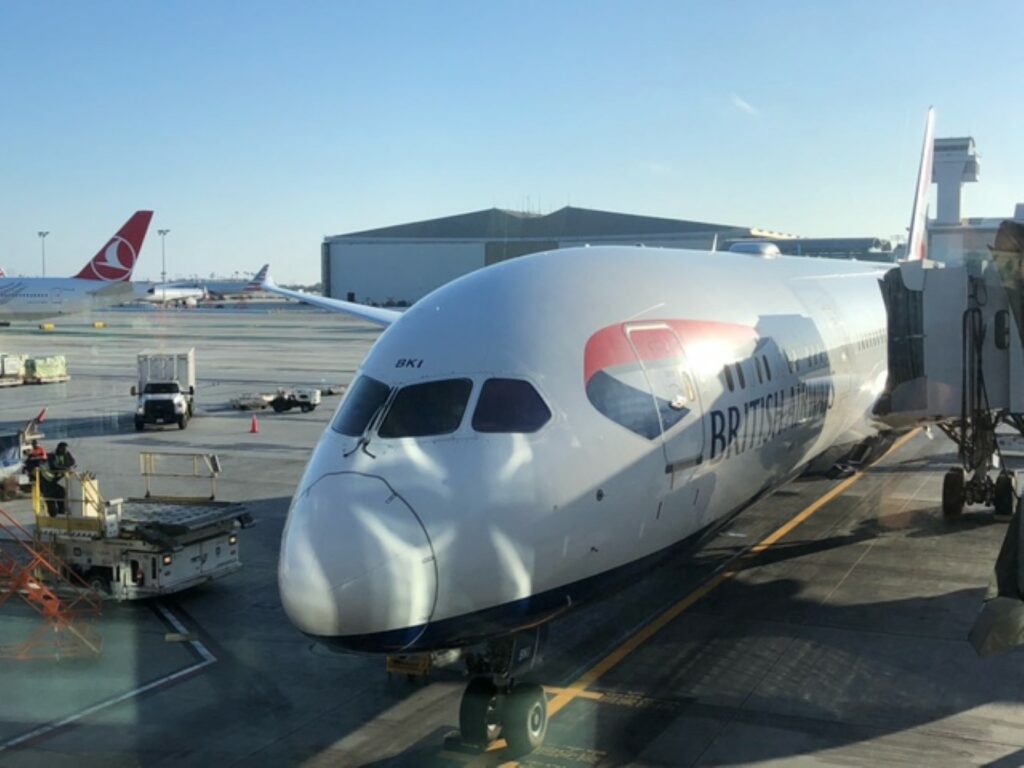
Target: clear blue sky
[[253, 129]]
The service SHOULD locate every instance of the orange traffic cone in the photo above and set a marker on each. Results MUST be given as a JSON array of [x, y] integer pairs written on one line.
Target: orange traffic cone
[[254, 428]]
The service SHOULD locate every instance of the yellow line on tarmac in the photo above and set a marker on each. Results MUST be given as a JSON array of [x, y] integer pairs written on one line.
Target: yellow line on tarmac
[[578, 688], [613, 659]]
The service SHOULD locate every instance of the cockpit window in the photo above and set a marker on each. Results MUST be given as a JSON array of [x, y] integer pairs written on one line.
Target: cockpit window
[[431, 408], [509, 405], [362, 401]]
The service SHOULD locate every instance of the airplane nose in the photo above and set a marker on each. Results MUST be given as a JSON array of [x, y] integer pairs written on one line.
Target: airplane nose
[[356, 561]]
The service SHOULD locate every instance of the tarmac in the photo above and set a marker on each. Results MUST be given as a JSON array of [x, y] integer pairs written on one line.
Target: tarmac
[[827, 624]]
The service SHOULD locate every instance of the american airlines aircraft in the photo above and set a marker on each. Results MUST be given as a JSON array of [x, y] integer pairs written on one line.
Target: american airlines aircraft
[[102, 282], [536, 432]]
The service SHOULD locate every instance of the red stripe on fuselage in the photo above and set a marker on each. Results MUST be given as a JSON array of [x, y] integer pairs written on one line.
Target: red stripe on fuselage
[[610, 347]]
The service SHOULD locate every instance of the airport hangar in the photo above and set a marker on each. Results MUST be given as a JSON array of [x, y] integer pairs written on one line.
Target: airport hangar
[[397, 265]]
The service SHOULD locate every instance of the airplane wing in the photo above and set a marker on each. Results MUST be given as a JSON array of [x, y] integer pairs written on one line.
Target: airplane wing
[[373, 314]]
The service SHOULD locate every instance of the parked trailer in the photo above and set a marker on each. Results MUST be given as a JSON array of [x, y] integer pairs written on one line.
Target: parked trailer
[[284, 399], [12, 370], [46, 370]]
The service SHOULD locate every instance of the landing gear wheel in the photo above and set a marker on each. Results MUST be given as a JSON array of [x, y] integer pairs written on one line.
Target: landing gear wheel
[[478, 712], [953, 493], [1003, 497], [525, 718]]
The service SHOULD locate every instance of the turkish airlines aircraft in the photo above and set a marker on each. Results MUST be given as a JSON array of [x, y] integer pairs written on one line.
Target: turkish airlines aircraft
[[540, 430], [102, 282]]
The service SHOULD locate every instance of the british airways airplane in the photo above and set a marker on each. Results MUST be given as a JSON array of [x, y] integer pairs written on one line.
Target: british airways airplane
[[102, 282], [537, 431]]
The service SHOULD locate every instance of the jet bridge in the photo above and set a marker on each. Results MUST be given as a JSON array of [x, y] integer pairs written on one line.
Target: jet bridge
[[956, 359]]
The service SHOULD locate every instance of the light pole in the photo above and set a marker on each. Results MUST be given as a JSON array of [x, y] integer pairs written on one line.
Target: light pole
[[163, 255], [42, 243]]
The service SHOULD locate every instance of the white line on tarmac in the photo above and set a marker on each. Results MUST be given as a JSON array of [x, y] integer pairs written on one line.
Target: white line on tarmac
[[202, 650]]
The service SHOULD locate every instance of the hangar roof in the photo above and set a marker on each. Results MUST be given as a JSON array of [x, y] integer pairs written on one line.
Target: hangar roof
[[568, 222]]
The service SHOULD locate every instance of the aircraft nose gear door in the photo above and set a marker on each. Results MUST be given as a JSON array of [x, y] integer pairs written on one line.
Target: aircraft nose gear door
[[675, 394]]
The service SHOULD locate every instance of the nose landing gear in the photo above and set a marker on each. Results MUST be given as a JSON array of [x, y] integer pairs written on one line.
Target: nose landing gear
[[495, 705], [517, 712]]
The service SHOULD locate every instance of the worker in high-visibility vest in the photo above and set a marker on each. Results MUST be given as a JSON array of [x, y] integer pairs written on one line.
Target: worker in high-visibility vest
[[60, 463], [62, 460]]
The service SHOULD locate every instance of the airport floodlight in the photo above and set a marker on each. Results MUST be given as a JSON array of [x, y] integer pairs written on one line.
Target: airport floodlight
[[163, 255], [42, 244]]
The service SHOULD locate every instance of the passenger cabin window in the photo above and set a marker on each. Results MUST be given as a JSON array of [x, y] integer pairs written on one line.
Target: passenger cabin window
[[363, 400], [509, 405], [431, 408]]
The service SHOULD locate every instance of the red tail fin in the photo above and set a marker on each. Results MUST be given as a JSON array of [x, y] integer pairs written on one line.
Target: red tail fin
[[917, 242], [116, 260]]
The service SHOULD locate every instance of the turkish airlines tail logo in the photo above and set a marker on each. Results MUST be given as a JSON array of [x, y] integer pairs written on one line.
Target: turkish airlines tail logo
[[116, 260]]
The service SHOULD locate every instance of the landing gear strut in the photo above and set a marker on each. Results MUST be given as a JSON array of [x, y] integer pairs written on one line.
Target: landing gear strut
[[494, 705], [975, 435]]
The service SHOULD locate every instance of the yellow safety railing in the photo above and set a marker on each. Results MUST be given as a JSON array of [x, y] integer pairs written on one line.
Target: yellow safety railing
[[78, 507], [168, 466]]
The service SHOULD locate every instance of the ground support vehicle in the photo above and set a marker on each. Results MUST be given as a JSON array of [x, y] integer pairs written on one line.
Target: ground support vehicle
[[135, 548], [166, 389]]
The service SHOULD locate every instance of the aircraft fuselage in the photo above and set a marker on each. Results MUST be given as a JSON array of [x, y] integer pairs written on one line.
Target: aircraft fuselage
[[679, 386], [37, 298]]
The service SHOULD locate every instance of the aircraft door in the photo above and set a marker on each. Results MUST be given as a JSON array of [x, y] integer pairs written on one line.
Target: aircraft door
[[676, 398]]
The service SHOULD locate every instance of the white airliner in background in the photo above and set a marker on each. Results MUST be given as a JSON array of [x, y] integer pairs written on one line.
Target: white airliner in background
[[540, 430], [190, 293], [104, 281], [168, 293]]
